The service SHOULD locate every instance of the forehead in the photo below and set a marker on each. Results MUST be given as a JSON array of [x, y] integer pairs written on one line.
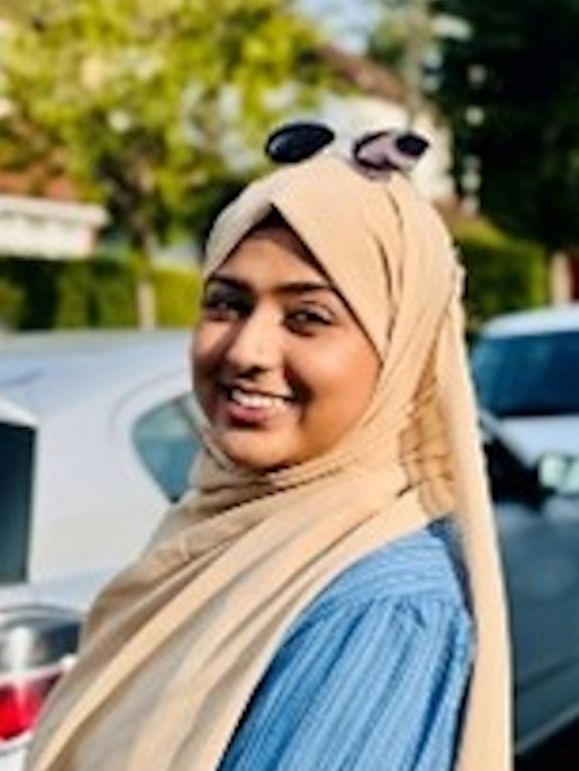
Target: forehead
[[272, 254]]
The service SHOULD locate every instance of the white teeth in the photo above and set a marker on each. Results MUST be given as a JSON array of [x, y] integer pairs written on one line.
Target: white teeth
[[256, 401]]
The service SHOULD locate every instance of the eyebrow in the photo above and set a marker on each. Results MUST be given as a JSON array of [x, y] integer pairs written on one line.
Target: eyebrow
[[290, 287]]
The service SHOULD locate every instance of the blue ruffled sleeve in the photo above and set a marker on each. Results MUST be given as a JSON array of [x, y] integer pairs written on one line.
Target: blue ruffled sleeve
[[374, 685]]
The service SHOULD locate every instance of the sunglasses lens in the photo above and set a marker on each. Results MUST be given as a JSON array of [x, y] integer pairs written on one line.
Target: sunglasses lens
[[411, 144], [297, 141], [374, 150], [390, 150]]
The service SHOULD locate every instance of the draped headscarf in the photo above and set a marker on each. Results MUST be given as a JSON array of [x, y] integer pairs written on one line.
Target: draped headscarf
[[176, 644]]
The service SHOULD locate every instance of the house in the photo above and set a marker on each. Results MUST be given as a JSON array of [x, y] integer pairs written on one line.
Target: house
[[42, 227], [384, 102]]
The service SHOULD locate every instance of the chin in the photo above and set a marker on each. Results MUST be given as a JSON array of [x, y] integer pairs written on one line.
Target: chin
[[255, 453]]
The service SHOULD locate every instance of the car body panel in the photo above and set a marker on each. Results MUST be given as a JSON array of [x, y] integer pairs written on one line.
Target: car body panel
[[89, 481], [556, 434], [117, 496], [541, 559]]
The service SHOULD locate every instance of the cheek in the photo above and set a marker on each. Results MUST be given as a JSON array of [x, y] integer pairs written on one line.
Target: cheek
[[205, 353], [340, 380]]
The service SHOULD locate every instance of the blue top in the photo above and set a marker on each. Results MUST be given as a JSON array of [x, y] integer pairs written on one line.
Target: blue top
[[372, 675]]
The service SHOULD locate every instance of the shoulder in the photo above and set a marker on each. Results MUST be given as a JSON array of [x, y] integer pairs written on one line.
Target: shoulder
[[424, 568], [418, 581]]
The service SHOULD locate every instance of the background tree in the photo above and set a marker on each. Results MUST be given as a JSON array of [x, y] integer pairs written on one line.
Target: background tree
[[403, 40], [511, 91], [151, 108], [471, 59]]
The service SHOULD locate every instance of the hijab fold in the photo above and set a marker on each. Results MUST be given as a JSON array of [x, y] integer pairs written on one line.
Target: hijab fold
[[175, 646]]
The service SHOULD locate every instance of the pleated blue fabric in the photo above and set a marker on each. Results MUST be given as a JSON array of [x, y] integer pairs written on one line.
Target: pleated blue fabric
[[372, 676]]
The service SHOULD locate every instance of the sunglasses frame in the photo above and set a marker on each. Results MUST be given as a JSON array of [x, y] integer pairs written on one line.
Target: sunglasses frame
[[297, 147]]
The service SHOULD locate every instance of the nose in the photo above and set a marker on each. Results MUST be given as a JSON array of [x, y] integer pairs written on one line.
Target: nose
[[255, 344]]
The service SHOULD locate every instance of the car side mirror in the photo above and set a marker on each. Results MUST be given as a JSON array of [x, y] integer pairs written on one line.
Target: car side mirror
[[559, 473], [510, 477]]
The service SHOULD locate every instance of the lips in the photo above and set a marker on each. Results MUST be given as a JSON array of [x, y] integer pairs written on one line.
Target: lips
[[253, 407]]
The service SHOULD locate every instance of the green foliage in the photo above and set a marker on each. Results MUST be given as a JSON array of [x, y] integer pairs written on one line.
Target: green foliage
[[38, 294], [111, 301], [152, 107], [520, 67], [401, 37], [37, 280], [11, 305], [504, 273], [178, 293], [73, 291]]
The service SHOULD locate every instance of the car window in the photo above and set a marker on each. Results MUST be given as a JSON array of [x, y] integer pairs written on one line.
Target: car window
[[528, 375], [166, 441], [16, 473]]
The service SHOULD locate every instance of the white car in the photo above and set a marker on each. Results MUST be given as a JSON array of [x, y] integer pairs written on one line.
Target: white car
[[97, 435], [526, 371]]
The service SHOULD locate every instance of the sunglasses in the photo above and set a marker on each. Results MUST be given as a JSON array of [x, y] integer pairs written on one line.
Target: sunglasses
[[375, 151]]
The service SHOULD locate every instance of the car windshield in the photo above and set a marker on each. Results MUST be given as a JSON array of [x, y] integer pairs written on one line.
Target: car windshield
[[16, 459], [166, 440], [528, 375]]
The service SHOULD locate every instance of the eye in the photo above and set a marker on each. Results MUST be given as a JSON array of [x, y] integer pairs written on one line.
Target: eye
[[308, 320], [225, 305]]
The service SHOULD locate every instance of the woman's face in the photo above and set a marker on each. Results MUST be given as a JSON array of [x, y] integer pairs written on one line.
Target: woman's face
[[281, 367]]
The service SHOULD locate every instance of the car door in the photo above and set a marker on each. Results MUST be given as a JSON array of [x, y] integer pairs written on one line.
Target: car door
[[540, 548]]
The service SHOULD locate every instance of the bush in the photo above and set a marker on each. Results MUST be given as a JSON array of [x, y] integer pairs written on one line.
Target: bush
[[11, 305], [37, 280], [503, 273], [178, 292], [111, 302], [72, 289], [44, 294]]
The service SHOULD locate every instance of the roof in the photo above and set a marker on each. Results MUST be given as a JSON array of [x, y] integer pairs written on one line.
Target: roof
[[42, 373], [36, 180], [556, 319], [85, 213], [369, 77]]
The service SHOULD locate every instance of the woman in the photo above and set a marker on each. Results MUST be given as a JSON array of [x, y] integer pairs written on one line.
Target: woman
[[302, 609]]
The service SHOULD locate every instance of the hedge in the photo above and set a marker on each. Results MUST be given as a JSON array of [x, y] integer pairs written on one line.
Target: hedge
[[47, 294], [178, 295], [503, 273], [11, 304]]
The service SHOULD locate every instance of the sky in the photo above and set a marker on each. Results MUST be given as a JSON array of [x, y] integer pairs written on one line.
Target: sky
[[347, 20]]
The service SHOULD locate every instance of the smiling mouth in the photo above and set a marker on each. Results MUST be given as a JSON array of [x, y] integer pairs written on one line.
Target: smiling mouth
[[251, 406]]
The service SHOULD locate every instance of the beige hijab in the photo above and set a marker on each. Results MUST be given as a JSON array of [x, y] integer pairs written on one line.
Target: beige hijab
[[176, 645]]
